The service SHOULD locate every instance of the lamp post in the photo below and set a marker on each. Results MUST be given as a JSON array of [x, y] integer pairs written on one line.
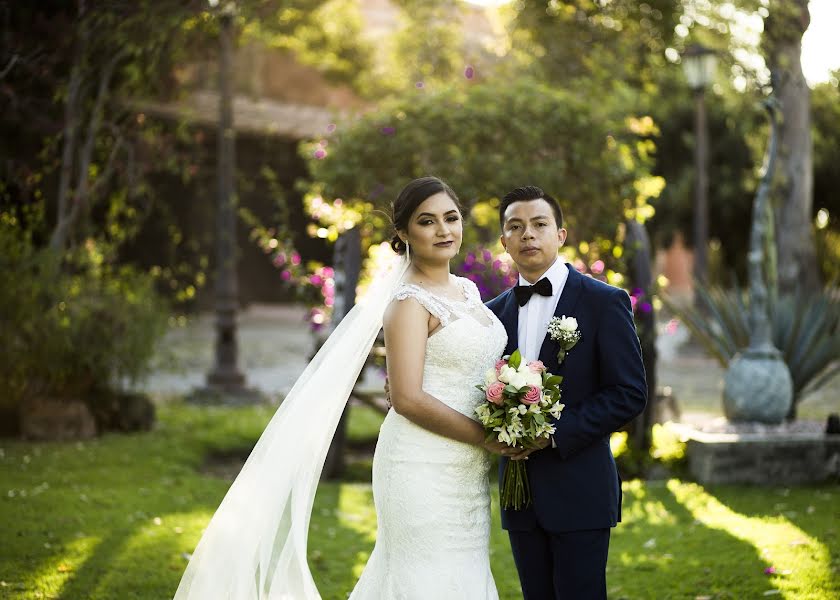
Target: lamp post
[[699, 64], [225, 376]]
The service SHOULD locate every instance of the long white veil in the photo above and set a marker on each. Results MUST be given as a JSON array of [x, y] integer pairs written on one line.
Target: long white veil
[[255, 544]]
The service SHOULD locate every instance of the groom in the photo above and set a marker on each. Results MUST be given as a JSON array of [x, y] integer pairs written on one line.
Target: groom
[[560, 541]]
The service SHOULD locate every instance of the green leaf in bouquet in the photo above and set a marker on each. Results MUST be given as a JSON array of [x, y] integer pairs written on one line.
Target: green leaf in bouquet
[[539, 418], [497, 413], [511, 389], [553, 380], [515, 359]]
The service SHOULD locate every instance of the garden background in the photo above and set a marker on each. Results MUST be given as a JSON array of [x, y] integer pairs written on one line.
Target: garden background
[[119, 184]]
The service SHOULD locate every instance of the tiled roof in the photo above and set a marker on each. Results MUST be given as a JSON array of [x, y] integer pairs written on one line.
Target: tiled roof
[[262, 116]]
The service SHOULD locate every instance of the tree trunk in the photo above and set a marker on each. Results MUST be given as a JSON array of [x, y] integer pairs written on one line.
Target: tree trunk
[[69, 220], [72, 114], [637, 248], [348, 265], [782, 44]]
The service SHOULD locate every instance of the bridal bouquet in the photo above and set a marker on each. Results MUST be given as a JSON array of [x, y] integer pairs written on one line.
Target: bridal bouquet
[[521, 400]]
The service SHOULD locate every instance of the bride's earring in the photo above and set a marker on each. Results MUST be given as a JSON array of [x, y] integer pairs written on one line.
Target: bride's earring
[[407, 251]]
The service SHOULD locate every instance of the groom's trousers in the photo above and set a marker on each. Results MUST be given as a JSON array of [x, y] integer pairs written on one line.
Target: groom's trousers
[[561, 566]]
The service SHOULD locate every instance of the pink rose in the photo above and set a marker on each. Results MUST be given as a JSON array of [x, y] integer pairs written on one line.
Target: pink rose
[[536, 366], [533, 395], [499, 364], [494, 392]]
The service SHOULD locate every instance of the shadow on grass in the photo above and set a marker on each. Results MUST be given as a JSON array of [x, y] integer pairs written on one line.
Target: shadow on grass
[[663, 551], [797, 528]]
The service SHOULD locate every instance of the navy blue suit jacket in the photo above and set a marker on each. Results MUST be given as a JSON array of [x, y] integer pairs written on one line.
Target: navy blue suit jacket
[[576, 486]]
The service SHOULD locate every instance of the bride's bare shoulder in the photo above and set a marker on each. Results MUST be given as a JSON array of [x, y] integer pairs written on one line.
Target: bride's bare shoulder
[[405, 305]]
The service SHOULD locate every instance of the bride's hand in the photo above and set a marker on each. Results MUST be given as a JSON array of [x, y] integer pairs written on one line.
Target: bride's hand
[[497, 447]]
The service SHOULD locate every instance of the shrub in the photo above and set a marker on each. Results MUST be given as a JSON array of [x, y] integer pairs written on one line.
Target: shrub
[[71, 324]]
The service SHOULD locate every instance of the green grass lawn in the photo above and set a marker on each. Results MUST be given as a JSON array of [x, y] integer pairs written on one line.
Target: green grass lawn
[[113, 518]]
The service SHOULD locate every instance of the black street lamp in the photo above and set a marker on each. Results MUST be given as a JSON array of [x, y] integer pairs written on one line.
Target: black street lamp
[[699, 64], [225, 376]]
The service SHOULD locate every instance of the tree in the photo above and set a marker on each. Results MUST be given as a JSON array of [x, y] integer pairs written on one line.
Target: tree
[[782, 46], [485, 139], [73, 138]]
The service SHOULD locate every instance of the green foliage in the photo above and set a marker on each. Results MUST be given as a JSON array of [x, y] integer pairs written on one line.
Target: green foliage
[[594, 44], [485, 140], [825, 114], [324, 34], [805, 328], [72, 328]]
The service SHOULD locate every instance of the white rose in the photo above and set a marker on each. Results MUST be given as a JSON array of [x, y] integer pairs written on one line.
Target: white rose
[[534, 379], [490, 377], [519, 380], [568, 324], [506, 373]]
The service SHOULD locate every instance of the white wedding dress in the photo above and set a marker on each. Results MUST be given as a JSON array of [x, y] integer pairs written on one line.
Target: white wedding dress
[[432, 493]]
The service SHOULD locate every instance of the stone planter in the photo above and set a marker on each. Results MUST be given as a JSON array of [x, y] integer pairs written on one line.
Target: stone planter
[[757, 387], [49, 419]]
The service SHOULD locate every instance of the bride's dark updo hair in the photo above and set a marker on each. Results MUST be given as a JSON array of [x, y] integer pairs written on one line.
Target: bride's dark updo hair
[[412, 196]]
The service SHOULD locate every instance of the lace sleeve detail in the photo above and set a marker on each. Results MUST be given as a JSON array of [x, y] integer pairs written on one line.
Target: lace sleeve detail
[[436, 308], [470, 290]]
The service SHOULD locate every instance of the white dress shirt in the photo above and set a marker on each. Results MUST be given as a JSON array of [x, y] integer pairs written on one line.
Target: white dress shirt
[[537, 312]]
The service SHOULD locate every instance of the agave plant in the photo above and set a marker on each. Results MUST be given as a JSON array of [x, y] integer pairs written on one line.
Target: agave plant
[[805, 328]]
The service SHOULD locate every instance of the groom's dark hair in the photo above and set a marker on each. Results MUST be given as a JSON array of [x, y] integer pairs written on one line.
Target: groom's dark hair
[[526, 193]]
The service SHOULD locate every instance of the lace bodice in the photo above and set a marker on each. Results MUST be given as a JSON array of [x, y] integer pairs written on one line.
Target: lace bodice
[[432, 493], [458, 354]]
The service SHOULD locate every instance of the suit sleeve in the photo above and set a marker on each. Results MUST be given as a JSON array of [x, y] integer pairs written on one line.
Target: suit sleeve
[[622, 389]]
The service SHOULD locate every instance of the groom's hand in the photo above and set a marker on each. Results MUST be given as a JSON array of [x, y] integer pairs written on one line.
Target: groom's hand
[[388, 393], [538, 445], [497, 447]]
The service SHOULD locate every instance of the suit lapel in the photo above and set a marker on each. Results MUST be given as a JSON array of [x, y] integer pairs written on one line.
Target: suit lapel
[[509, 317], [565, 306]]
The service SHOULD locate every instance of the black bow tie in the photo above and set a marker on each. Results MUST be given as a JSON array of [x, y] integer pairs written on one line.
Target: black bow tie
[[524, 292]]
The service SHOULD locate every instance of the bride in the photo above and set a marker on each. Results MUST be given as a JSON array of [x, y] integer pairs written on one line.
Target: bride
[[430, 468]]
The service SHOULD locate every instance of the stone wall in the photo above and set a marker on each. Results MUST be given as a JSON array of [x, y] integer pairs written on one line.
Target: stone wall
[[778, 460]]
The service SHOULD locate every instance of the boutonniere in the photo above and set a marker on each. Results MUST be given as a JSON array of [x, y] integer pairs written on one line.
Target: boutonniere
[[564, 331]]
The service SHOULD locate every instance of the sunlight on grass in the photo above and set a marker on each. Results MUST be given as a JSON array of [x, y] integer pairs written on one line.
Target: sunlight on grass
[[356, 509], [58, 569], [781, 546]]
